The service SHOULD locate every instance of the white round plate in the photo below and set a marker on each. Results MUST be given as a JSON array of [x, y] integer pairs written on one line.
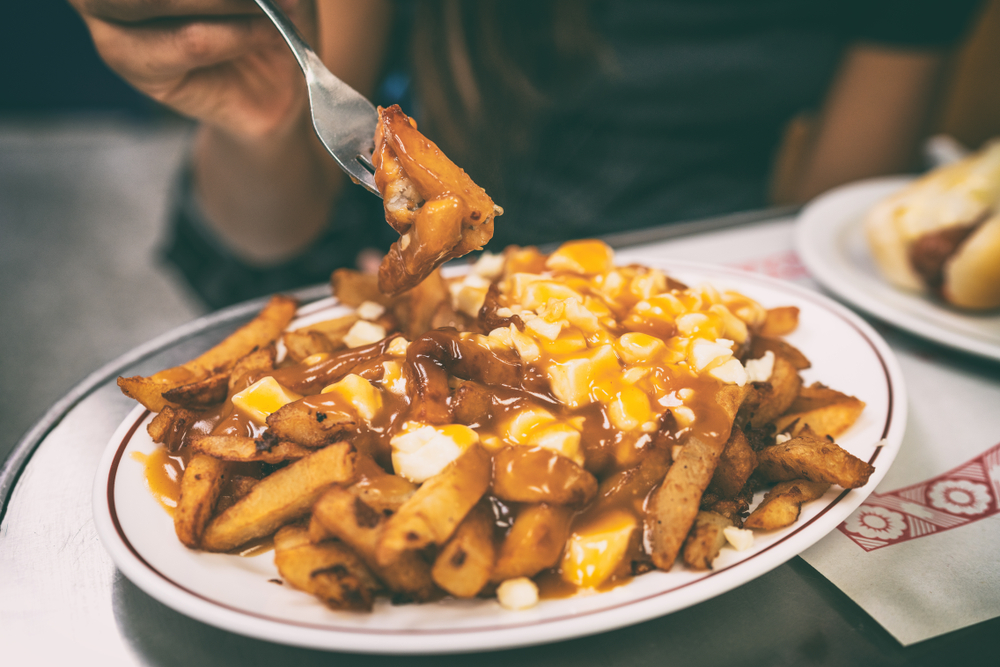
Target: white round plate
[[240, 594], [830, 239]]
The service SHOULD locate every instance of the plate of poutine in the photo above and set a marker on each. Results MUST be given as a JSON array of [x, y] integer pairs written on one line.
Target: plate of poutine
[[502, 456]]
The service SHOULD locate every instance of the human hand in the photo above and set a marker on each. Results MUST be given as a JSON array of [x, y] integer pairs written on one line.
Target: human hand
[[218, 61]]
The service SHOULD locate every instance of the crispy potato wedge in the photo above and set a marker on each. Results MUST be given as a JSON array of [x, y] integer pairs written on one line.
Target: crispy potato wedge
[[422, 304], [782, 504], [780, 321], [359, 526], [234, 487], [302, 344], [534, 542], [705, 540], [200, 394], [258, 333], [381, 491], [302, 423], [778, 393], [538, 475], [251, 368], [352, 288], [674, 506], [463, 567], [816, 459], [168, 427], [438, 506], [281, 497], [328, 570], [238, 448], [736, 464], [761, 344], [826, 411], [201, 485], [471, 402]]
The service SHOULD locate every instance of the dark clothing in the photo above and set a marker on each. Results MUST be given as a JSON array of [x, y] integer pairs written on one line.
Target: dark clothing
[[681, 121]]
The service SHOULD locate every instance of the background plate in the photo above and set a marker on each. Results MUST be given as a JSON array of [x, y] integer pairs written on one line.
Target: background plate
[[830, 239], [238, 594]]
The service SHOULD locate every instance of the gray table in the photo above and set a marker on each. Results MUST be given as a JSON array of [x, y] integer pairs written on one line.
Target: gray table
[[62, 600]]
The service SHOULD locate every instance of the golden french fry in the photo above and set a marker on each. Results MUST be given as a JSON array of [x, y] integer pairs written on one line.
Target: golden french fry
[[705, 540], [379, 490], [249, 369], [353, 288], [170, 425], [328, 570], [238, 448], [780, 321], [281, 497], [258, 333], [675, 504], [761, 345], [736, 464], [359, 526], [826, 411], [200, 488], [538, 475], [302, 344], [782, 504], [779, 392], [200, 394], [304, 424], [436, 509], [465, 563], [808, 456], [534, 542]]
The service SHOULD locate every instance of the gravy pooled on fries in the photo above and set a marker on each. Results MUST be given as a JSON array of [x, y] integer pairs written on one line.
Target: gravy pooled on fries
[[544, 418]]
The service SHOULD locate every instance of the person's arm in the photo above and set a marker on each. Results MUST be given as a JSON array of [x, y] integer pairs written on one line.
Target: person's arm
[[873, 120], [266, 184]]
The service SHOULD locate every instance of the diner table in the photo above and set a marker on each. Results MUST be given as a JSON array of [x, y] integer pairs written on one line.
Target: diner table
[[62, 601]]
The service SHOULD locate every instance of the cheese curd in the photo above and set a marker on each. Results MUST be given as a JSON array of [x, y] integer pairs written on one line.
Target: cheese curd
[[421, 451]]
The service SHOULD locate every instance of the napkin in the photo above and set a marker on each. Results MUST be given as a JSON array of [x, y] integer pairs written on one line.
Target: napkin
[[922, 554]]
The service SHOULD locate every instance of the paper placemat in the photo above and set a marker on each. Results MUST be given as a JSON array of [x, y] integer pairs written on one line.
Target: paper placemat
[[921, 554]]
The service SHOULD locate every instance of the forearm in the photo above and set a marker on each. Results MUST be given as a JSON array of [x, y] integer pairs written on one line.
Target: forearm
[[875, 116], [269, 197]]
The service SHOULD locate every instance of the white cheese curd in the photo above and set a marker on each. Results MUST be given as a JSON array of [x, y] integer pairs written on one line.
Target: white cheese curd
[[422, 451], [519, 593], [364, 333], [369, 310], [759, 370], [740, 538]]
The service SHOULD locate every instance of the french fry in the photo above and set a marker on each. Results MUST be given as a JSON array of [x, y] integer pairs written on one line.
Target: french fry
[[465, 563], [778, 393], [302, 344], [782, 504], [249, 368], [281, 497], [538, 475], [736, 464], [304, 424], [436, 509], [378, 489], [200, 488], [359, 526], [705, 540], [534, 542], [808, 456], [353, 288], [238, 448], [780, 321], [826, 411], [200, 394], [328, 570], [674, 505], [760, 345], [258, 333], [170, 425]]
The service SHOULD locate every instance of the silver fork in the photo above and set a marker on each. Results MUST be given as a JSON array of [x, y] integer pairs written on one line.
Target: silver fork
[[344, 120]]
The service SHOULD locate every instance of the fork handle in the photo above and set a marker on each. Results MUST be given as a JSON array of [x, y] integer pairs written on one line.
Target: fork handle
[[303, 53]]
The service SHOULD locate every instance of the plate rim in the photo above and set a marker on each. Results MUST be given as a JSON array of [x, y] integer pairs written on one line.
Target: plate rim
[[567, 626], [812, 226]]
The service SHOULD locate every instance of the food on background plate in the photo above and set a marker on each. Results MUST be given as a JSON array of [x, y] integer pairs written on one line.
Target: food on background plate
[[541, 425], [941, 234]]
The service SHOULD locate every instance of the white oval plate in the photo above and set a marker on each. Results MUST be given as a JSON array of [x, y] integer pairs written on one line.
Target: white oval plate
[[239, 594], [830, 239]]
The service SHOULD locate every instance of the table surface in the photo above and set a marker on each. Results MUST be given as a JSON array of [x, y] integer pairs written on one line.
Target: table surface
[[63, 600]]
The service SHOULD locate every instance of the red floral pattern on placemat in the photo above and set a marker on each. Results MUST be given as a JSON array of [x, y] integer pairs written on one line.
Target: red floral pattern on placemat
[[785, 265], [958, 497]]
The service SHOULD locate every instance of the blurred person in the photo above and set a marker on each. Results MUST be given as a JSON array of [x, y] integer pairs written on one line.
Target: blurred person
[[579, 118]]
